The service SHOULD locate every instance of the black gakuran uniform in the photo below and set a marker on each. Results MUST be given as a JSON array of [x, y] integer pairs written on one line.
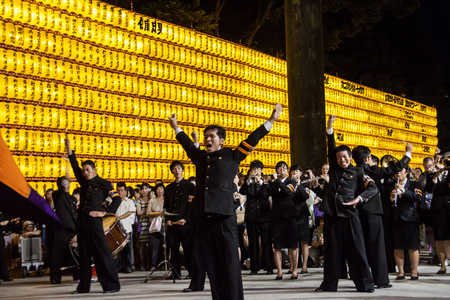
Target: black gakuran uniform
[[65, 208], [90, 235], [177, 198], [343, 236], [215, 226]]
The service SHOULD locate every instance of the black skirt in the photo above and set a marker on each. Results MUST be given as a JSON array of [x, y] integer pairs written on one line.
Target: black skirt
[[405, 235], [303, 232], [441, 226], [284, 233]]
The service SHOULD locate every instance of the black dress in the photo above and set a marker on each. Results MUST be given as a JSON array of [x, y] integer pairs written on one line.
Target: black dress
[[302, 214]]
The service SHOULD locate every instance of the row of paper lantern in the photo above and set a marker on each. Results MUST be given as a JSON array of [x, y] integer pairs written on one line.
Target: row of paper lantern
[[385, 132], [56, 44], [58, 118], [42, 167], [35, 65], [94, 31], [57, 93], [338, 85], [387, 121], [365, 106], [97, 13], [26, 140]]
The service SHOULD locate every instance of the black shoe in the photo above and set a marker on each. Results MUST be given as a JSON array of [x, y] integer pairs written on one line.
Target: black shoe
[[253, 272], [111, 291], [187, 290], [270, 272], [10, 279], [368, 291], [440, 272], [384, 286], [303, 271], [415, 277], [78, 292], [279, 277], [320, 290], [128, 270], [294, 277], [400, 277], [56, 281], [289, 272]]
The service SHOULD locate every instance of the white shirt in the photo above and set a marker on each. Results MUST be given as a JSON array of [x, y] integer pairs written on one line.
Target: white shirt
[[125, 206]]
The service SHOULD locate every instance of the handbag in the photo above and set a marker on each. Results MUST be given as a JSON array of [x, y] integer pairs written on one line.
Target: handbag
[[155, 225], [240, 215]]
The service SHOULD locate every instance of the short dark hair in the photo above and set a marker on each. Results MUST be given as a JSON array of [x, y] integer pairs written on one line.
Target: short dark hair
[[144, 184], [76, 191], [176, 163], [428, 159], [89, 163], [220, 130], [256, 164], [60, 179], [281, 163], [295, 168], [160, 185], [375, 159], [360, 153], [121, 184], [343, 148]]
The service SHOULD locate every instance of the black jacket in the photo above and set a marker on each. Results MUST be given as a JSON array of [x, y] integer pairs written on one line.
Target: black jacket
[[177, 199], [215, 173], [343, 186], [93, 194], [374, 205], [408, 203], [257, 206], [282, 193], [65, 208]]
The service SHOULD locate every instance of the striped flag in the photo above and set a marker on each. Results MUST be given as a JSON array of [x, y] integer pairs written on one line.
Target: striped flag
[[17, 198]]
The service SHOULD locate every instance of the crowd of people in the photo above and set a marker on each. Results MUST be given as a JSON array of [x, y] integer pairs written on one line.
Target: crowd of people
[[362, 220]]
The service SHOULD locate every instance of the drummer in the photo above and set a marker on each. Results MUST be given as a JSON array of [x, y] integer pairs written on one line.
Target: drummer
[[91, 237]]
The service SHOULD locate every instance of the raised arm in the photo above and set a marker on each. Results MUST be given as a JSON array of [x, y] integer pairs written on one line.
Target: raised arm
[[249, 144], [189, 147], [331, 142], [74, 163]]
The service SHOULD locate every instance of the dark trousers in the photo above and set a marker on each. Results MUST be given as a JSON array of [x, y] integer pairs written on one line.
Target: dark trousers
[[176, 237], [92, 244], [343, 238], [256, 231], [4, 272], [198, 270], [125, 254], [217, 247], [372, 226], [60, 253]]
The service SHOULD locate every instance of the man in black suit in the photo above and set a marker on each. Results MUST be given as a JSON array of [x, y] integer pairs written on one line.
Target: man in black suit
[[215, 225], [177, 198], [257, 218], [370, 213], [65, 208], [343, 236], [90, 235]]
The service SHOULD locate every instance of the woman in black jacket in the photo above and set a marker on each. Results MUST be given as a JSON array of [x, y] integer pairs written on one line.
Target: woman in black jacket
[[405, 196]]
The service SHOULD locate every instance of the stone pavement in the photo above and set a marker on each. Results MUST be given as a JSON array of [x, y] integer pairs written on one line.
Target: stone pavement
[[429, 286]]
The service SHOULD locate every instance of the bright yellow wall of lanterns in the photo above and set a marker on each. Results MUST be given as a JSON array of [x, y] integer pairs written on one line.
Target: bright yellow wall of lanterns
[[109, 78]]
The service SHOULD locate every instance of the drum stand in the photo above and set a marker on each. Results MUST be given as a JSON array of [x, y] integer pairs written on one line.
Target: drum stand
[[168, 268]]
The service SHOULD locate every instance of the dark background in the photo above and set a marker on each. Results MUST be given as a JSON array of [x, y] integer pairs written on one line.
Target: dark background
[[398, 46]]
